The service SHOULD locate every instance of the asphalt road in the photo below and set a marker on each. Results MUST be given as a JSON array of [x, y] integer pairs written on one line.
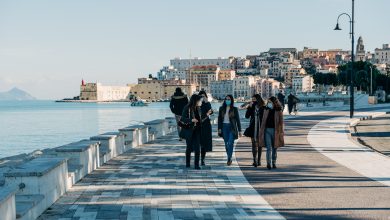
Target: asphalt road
[[308, 185]]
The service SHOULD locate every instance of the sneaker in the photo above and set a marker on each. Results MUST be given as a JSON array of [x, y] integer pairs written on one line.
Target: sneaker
[[254, 164], [229, 162], [269, 166], [259, 163], [274, 166]]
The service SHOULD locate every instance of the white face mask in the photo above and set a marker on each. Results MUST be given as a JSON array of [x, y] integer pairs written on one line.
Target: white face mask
[[270, 105], [199, 103]]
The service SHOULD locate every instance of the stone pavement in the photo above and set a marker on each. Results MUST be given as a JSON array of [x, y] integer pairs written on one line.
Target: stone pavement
[[375, 133], [151, 182]]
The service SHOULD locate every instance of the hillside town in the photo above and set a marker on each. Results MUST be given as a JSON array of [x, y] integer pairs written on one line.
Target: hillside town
[[278, 69]]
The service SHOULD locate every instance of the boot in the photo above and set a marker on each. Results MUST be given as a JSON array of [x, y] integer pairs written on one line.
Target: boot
[[188, 159], [197, 167]]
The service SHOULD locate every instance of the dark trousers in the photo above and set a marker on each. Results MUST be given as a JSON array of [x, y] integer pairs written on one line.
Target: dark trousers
[[193, 144], [202, 154], [256, 151]]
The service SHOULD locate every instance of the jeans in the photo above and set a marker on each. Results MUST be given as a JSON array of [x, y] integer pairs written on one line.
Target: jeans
[[178, 117], [193, 145], [269, 143], [228, 137]]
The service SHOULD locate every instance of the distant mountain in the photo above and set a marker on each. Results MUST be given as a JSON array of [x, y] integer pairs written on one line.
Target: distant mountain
[[15, 94]]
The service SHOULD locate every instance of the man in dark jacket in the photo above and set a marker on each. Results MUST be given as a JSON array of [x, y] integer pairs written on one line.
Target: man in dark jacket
[[281, 98], [178, 101]]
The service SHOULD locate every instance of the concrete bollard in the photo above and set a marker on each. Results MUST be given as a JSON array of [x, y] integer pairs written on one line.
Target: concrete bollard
[[83, 157]]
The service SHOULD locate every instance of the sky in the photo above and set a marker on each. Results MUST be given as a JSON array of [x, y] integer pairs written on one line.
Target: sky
[[47, 47]]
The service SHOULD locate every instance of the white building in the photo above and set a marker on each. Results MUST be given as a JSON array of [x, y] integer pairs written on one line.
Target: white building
[[185, 64], [244, 87], [267, 87], [383, 55], [302, 84], [98, 92], [219, 89]]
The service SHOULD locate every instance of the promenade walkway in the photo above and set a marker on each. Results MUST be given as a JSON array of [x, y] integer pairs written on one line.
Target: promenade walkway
[[322, 174], [151, 182]]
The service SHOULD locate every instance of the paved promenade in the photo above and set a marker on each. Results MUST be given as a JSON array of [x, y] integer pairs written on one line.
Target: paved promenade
[[151, 182], [375, 133], [322, 174]]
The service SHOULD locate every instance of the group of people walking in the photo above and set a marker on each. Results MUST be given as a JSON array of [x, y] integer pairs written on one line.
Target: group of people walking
[[194, 125]]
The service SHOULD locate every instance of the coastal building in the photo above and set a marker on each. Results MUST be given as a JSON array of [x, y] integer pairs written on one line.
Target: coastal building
[[310, 53], [360, 52], [302, 84], [202, 76], [267, 87], [219, 89], [244, 87], [154, 89], [226, 74], [291, 73], [185, 64], [382, 56], [100, 93]]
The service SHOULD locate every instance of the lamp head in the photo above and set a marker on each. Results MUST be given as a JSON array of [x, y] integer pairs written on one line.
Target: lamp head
[[337, 28]]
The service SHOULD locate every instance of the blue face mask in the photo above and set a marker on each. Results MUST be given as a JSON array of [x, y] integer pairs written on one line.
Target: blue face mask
[[270, 105], [228, 102]]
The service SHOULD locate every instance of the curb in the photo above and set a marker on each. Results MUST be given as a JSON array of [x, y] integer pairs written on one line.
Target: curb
[[354, 134]]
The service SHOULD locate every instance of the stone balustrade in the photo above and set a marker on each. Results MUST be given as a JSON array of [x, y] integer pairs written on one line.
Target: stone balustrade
[[30, 187]]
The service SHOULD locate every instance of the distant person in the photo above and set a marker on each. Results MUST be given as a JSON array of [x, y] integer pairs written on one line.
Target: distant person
[[281, 98], [255, 112], [178, 101], [292, 101], [206, 141], [272, 130], [229, 125]]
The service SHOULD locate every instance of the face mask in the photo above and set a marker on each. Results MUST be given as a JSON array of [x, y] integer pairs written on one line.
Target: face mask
[[270, 105], [199, 103], [228, 102]]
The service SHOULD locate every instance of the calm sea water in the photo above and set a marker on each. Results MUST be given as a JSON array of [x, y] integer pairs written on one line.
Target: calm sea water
[[29, 125], [26, 126]]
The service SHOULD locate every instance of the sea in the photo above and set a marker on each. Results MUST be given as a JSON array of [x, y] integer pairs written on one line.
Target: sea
[[26, 126]]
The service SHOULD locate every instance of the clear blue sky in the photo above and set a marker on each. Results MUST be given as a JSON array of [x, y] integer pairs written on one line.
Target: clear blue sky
[[46, 47]]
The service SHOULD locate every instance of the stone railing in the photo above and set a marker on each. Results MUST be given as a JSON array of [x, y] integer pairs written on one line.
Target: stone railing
[[29, 184]]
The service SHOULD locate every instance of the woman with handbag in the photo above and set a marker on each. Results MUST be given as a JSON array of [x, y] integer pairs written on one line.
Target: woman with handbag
[[255, 112], [271, 134], [206, 140], [229, 126], [191, 128]]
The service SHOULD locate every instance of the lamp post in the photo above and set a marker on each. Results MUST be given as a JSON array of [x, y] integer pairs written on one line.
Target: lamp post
[[371, 81], [352, 35]]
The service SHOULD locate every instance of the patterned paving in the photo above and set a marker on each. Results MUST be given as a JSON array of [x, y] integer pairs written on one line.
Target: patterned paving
[[151, 182]]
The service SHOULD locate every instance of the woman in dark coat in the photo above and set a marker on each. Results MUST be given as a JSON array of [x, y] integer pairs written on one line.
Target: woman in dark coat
[[255, 112], [206, 141], [272, 130], [192, 116], [229, 126]]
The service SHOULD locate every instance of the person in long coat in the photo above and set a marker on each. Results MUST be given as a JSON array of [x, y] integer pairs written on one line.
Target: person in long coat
[[206, 141], [192, 134], [229, 125], [255, 112], [272, 130]]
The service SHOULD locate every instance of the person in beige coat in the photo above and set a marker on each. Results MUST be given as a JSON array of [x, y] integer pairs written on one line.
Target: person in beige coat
[[271, 133]]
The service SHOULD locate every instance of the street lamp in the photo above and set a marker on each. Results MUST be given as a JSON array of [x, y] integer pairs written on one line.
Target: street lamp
[[352, 36]]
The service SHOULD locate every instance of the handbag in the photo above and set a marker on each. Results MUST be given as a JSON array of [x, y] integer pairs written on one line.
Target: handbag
[[186, 128]]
